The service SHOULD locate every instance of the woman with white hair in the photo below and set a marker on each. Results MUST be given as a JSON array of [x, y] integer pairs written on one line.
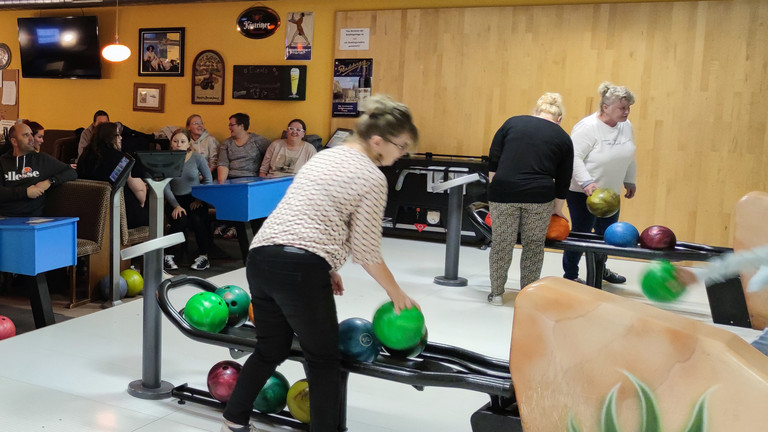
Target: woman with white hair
[[529, 163], [603, 157]]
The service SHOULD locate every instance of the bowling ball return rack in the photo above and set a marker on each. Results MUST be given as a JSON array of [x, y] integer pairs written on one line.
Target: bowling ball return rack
[[726, 299], [438, 365]]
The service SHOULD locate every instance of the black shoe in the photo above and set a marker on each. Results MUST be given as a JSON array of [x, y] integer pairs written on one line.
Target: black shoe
[[578, 280], [612, 277]]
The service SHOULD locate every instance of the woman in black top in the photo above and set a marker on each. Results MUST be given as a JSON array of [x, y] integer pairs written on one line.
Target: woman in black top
[[100, 158], [530, 165]]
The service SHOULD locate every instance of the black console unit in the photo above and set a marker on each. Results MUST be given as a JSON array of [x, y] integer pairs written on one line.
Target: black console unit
[[415, 212]]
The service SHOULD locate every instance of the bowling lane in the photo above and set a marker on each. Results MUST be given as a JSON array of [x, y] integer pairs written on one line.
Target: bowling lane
[[82, 366]]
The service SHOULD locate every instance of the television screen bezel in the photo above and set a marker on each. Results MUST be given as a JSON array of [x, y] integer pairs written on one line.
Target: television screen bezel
[[27, 73]]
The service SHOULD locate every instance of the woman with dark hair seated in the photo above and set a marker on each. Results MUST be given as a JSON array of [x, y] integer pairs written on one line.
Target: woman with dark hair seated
[[100, 158]]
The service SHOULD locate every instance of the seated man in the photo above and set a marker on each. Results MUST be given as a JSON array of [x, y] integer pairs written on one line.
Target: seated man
[[100, 116], [27, 175], [239, 156]]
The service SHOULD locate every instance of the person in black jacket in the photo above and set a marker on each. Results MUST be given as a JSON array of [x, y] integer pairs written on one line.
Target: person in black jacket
[[530, 165], [27, 175], [98, 161]]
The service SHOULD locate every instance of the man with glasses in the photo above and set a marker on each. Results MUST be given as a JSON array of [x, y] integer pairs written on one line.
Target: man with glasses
[[286, 156], [239, 156]]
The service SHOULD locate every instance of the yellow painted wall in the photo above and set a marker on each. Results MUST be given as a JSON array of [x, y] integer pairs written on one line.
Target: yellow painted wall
[[699, 70], [68, 104]]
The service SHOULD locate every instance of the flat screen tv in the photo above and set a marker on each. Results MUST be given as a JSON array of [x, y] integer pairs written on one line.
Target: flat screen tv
[[60, 47]]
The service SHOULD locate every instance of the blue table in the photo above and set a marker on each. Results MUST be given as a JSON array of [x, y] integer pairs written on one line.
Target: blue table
[[31, 246], [242, 200]]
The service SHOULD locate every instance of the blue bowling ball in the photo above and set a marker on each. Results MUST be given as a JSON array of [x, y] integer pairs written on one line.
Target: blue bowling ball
[[104, 287], [621, 234], [357, 341]]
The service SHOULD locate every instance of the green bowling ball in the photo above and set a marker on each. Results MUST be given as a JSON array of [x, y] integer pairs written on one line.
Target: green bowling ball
[[272, 397], [237, 301], [411, 352], [398, 332], [206, 311], [659, 282]]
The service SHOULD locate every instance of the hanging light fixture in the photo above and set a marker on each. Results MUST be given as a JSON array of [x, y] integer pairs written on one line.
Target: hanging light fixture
[[116, 52]]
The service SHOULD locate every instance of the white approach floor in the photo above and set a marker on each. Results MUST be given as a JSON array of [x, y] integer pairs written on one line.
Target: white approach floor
[[73, 376]]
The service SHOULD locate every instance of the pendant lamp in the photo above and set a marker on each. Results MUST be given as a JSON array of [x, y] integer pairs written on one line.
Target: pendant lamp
[[116, 52]]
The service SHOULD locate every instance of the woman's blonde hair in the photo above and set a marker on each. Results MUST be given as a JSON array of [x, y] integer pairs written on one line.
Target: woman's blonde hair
[[386, 118], [550, 103], [610, 93]]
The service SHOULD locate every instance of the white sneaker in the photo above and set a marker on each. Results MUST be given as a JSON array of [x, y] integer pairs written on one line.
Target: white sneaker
[[169, 263], [201, 263], [496, 300], [226, 427]]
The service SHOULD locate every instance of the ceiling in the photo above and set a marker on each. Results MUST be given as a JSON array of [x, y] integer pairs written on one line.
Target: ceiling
[[76, 4]]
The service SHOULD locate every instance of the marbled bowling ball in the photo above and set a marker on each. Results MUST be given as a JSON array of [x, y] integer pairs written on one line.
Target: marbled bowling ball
[[357, 340], [658, 237], [558, 229], [621, 234], [222, 378], [237, 301], [603, 202], [272, 397]]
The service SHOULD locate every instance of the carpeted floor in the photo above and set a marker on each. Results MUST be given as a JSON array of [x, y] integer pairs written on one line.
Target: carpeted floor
[[14, 304]]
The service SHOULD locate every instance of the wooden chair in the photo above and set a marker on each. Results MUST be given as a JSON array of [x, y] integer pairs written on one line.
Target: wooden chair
[[89, 201]]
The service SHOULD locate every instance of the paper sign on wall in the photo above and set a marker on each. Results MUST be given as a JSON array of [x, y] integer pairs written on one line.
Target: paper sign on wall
[[355, 39]]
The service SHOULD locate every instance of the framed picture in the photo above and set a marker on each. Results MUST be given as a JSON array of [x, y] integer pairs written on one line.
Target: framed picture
[[149, 97], [208, 78], [162, 51]]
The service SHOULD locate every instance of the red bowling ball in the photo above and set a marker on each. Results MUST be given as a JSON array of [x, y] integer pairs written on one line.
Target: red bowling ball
[[222, 378], [658, 237], [7, 328]]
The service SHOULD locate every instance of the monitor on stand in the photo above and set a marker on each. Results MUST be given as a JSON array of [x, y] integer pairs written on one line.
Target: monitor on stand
[[159, 165], [122, 171]]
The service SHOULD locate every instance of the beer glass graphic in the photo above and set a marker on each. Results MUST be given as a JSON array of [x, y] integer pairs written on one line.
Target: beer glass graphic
[[295, 73]]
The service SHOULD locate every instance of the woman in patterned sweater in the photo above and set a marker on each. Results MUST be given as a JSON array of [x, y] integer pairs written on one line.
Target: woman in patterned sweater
[[293, 263]]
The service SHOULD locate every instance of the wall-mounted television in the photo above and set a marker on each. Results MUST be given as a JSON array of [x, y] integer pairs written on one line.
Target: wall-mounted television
[[60, 47]]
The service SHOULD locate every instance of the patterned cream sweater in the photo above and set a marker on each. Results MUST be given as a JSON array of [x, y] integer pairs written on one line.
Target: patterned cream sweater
[[333, 208]]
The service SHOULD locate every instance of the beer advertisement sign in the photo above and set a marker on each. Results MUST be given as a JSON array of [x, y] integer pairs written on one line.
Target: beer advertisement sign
[[298, 36], [273, 82], [351, 86]]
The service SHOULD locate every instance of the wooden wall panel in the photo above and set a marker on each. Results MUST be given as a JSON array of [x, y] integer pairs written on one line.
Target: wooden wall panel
[[699, 71]]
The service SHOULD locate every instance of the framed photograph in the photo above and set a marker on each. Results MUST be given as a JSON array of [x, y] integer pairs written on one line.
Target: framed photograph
[[338, 137], [208, 78], [162, 51], [149, 97]]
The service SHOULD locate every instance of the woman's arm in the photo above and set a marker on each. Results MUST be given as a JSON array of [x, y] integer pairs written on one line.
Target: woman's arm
[[381, 273], [139, 189]]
